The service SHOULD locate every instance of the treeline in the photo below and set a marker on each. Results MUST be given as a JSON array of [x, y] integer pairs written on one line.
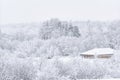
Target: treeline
[[30, 56], [87, 35]]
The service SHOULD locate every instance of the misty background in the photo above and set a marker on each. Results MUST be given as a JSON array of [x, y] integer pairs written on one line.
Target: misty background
[[26, 11]]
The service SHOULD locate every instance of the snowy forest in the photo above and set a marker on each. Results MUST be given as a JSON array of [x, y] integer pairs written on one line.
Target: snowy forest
[[50, 50]]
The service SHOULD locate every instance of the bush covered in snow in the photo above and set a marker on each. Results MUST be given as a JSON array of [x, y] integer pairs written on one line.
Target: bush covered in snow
[[16, 69]]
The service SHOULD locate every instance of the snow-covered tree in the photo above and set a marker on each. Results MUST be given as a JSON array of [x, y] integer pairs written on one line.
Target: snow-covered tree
[[55, 28]]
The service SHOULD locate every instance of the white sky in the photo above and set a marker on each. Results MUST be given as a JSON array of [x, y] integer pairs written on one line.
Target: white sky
[[21, 11]]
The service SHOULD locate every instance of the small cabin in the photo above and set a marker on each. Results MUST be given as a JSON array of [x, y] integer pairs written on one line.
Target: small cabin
[[98, 53]]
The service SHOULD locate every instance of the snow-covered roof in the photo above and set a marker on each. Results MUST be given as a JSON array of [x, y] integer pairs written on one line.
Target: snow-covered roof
[[98, 51]]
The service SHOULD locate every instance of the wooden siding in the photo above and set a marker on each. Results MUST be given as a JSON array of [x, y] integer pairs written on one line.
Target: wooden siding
[[105, 56], [98, 56], [88, 56]]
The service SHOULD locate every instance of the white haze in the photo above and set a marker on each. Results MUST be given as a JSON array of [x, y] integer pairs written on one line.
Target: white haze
[[22, 11]]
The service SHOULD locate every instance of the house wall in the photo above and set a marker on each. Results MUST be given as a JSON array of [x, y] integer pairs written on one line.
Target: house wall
[[105, 56], [99, 56], [88, 56]]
